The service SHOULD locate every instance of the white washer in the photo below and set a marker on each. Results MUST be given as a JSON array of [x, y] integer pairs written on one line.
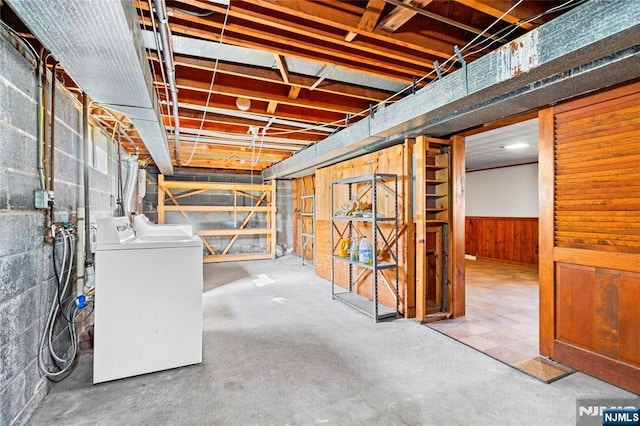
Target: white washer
[[148, 301]]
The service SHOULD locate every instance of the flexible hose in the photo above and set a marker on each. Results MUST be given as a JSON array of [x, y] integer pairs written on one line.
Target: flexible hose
[[63, 363]]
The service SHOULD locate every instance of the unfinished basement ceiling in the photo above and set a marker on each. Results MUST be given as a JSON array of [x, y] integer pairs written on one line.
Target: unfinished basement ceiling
[[257, 81], [309, 68]]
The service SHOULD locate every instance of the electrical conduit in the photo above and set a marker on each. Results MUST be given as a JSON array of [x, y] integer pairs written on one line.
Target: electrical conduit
[[87, 215], [165, 39]]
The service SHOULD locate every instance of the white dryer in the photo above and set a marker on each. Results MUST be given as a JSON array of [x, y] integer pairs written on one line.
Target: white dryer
[[148, 300]]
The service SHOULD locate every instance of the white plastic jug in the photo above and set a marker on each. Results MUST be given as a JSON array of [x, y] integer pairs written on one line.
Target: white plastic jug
[[366, 255]]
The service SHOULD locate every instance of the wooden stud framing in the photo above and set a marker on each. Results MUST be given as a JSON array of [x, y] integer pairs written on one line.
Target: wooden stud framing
[[161, 189], [264, 203]]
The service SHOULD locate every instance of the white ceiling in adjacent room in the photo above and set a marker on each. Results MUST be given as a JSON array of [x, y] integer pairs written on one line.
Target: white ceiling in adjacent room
[[486, 150]]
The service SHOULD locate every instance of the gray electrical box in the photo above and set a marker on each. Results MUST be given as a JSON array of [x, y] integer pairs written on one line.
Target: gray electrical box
[[42, 199]]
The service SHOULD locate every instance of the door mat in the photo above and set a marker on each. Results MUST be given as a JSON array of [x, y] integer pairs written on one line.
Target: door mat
[[544, 369]]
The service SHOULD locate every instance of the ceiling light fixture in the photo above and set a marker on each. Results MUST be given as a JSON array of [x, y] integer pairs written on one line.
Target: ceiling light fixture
[[517, 145], [243, 104]]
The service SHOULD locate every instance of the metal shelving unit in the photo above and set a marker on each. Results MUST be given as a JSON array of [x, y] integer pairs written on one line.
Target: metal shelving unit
[[368, 186], [307, 236]]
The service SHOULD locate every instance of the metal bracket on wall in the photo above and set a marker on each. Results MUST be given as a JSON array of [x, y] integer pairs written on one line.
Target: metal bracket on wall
[[436, 66], [464, 67]]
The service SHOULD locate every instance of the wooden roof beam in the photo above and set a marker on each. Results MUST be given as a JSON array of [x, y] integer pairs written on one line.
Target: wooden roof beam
[[282, 67], [245, 34], [235, 91], [369, 19], [442, 19], [326, 15], [271, 108], [379, 68], [497, 8], [191, 125], [189, 102], [229, 122], [272, 76], [401, 15], [321, 13]]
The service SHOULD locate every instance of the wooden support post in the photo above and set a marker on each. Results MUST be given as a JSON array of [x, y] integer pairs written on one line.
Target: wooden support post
[[546, 269], [161, 217], [410, 234], [456, 228], [272, 220], [421, 232]]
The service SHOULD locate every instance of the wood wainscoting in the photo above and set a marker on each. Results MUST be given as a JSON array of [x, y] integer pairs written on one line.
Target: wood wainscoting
[[503, 239]]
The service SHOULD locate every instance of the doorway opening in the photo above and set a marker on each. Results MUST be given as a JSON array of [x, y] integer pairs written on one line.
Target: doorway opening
[[501, 243]]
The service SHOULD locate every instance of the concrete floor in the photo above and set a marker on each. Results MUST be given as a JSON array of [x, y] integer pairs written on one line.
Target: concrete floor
[[286, 353]]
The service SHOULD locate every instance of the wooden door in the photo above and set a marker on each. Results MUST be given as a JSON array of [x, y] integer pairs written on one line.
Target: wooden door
[[440, 225], [590, 235]]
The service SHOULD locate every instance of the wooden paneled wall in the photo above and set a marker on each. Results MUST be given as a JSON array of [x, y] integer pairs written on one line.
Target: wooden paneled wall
[[390, 160], [590, 234], [503, 239]]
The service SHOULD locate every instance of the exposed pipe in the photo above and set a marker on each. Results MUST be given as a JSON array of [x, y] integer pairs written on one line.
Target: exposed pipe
[[120, 188], [45, 123], [87, 215], [41, 114], [130, 184], [165, 39], [80, 252], [52, 146]]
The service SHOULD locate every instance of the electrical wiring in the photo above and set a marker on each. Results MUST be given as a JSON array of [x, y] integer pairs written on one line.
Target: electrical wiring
[[63, 362], [213, 78], [505, 32], [20, 40], [257, 158], [446, 67], [450, 62]]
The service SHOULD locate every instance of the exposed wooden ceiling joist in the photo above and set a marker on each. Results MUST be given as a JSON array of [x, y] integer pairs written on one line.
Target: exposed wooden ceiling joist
[[378, 61], [286, 102], [497, 9], [273, 76], [369, 19], [372, 47], [326, 15], [189, 100], [400, 15], [271, 96], [448, 21]]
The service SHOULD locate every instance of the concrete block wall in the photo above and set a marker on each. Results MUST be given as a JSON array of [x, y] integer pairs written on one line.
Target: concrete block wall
[[284, 218], [27, 281]]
